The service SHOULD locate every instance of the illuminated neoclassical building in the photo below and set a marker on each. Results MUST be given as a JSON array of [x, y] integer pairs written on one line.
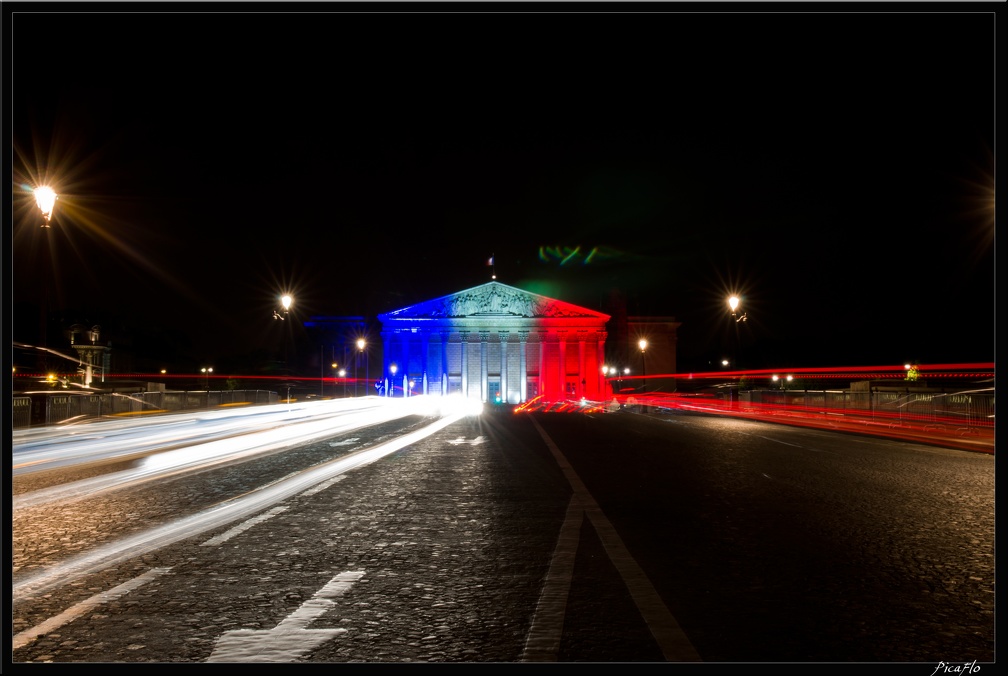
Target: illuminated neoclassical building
[[495, 342]]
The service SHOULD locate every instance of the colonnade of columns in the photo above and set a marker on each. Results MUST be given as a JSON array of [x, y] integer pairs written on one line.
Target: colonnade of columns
[[587, 381]]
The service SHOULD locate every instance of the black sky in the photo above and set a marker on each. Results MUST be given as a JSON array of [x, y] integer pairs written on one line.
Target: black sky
[[833, 164]]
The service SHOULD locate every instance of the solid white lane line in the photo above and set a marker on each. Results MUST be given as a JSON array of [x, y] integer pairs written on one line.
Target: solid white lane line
[[672, 640], [543, 642]]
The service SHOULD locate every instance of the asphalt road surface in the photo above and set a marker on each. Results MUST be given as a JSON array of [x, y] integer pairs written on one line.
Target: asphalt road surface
[[508, 538]]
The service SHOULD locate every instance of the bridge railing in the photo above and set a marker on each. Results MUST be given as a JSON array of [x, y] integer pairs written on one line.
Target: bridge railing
[[969, 410], [52, 409]]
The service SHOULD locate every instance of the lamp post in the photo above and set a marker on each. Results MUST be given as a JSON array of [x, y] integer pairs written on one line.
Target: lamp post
[[206, 370], [335, 379], [342, 374], [361, 344], [783, 381], [393, 368], [286, 301], [45, 198], [642, 343], [733, 303]]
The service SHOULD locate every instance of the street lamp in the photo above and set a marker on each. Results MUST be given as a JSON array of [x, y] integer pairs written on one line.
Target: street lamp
[[206, 370], [642, 343], [342, 374], [783, 381], [360, 348], [335, 381], [734, 303], [286, 301], [393, 368], [45, 198]]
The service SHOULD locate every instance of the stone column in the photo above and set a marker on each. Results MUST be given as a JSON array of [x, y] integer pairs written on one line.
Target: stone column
[[542, 362], [425, 346], [442, 377], [562, 344], [503, 335], [465, 362], [523, 367], [582, 380], [484, 336]]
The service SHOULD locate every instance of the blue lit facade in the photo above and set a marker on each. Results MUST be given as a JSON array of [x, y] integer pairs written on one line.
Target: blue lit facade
[[495, 343]]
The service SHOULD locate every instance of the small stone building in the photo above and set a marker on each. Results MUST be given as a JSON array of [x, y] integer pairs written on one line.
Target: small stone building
[[495, 343]]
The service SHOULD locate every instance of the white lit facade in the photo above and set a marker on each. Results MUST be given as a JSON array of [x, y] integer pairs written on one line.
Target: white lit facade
[[493, 343]]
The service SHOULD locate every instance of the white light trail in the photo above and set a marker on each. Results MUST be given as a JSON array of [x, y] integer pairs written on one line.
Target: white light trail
[[215, 517]]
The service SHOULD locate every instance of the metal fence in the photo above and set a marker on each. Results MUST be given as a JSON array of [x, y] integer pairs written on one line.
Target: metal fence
[[967, 410], [52, 409], [970, 410]]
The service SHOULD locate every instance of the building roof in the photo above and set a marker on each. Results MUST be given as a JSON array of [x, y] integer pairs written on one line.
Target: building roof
[[493, 299]]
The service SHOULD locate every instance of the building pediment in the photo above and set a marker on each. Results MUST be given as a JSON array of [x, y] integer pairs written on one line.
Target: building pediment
[[493, 299]]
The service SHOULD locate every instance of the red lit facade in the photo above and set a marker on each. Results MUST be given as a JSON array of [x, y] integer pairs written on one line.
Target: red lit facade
[[495, 342]]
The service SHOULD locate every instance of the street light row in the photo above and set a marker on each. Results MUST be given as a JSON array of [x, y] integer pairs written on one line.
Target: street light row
[[46, 198]]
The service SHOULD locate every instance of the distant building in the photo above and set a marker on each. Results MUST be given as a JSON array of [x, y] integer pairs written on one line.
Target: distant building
[[656, 363], [495, 343], [94, 357]]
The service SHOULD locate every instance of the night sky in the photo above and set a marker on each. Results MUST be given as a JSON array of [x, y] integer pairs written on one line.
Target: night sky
[[834, 168]]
